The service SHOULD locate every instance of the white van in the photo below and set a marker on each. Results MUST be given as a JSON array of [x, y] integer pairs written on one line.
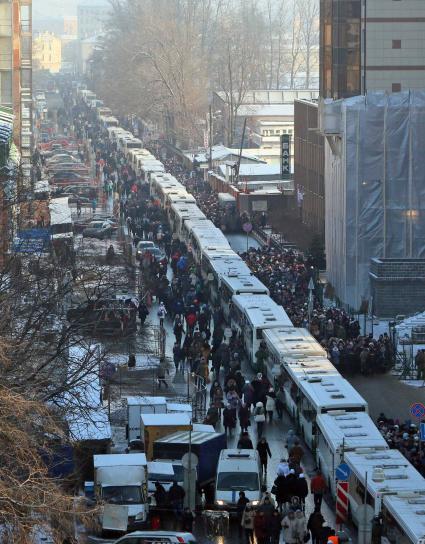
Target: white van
[[237, 470]]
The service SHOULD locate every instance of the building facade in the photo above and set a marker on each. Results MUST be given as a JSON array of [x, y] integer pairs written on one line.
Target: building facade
[[371, 45], [374, 183], [47, 52], [309, 166], [90, 20], [16, 72]]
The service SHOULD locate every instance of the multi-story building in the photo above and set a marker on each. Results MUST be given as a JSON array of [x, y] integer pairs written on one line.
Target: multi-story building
[[70, 25], [90, 20], [371, 45], [47, 52], [309, 166], [16, 71]]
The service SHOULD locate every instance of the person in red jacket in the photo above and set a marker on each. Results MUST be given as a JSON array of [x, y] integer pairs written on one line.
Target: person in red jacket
[[260, 528], [318, 488]]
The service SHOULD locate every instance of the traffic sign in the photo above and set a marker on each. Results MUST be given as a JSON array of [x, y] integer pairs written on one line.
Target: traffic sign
[[247, 227], [417, 409], [190, 461], [341, 502], [342, 472]]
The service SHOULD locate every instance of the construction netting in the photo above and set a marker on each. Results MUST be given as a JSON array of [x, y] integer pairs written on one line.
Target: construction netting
[[375, 187]]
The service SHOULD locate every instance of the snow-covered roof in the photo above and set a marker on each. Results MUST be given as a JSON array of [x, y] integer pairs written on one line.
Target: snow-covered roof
[[219, 153], [247, 170], [60, 212], [165, 420], [266, 110]]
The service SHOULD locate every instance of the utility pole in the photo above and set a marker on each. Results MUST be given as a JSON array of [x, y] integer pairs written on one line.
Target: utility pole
[[210, 137], [240, 152]]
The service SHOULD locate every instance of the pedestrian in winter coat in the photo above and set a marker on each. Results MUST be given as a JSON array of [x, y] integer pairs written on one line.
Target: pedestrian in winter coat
[[301, 489], [280, 491], [162, 312], [290, 525], [318, 488], [270, 405], [275, 527], [264, 452], [248, 523], [244, 414], [259, 418], [245, 443], [229, 418], [296, 453], [314, 525], [291, 484], [301, 525], [260, 528]]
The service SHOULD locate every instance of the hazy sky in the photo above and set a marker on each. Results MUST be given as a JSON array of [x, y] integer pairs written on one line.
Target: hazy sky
[[58, 8]]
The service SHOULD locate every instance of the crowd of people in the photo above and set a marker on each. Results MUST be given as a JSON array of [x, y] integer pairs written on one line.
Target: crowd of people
[[404, 437], [201, 346]]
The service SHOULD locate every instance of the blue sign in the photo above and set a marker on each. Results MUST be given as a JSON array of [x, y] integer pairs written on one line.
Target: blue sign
[[32, 241], [422, 432], [417, 410], [342, 472], [36, 234]]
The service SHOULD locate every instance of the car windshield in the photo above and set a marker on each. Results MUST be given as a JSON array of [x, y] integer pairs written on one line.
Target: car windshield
[[178, 473], [231, 481], [130, 494]]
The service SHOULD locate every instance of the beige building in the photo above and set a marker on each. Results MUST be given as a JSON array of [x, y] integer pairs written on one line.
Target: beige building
[[16, 72], [47, 52]]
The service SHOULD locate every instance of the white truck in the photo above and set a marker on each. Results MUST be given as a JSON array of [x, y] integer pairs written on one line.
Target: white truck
[[142, 405], [120, 485]]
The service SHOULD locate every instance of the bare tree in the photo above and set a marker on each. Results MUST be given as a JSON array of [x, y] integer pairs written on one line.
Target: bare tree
[[309, 34]]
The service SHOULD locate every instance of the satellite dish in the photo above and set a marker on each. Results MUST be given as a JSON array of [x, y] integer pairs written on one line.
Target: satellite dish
[[190, 461]]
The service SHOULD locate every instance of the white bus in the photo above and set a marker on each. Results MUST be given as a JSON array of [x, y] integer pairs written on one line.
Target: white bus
[[289, 343], [250, 315], [404, 517], [239, 284], [203, 238], [376, 474], [180, 212], [307, 396], [339, 432], [217, 263]]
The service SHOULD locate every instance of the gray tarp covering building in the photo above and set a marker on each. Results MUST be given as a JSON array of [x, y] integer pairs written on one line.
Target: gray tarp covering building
[[374, 184]]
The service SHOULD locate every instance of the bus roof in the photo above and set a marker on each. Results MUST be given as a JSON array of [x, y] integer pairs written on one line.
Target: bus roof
[[261, 311], [244, 283], [350, 430], [292, 342], [398, 474], [408, 509], [331, 393]]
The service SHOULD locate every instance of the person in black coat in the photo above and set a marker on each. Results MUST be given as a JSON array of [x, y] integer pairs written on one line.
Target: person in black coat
[[264, 452], [301, 489], [280, 491], [245, 443]]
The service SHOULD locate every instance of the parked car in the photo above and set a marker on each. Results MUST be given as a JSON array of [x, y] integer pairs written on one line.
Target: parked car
[[142, 246], [98, 229], [156, 252]]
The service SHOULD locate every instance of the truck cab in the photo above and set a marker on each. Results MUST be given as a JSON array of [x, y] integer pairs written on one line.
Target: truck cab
[[121, 480]]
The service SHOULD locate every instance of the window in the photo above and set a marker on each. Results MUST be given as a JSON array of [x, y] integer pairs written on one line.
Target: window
[[396, 87], [396, 44]]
